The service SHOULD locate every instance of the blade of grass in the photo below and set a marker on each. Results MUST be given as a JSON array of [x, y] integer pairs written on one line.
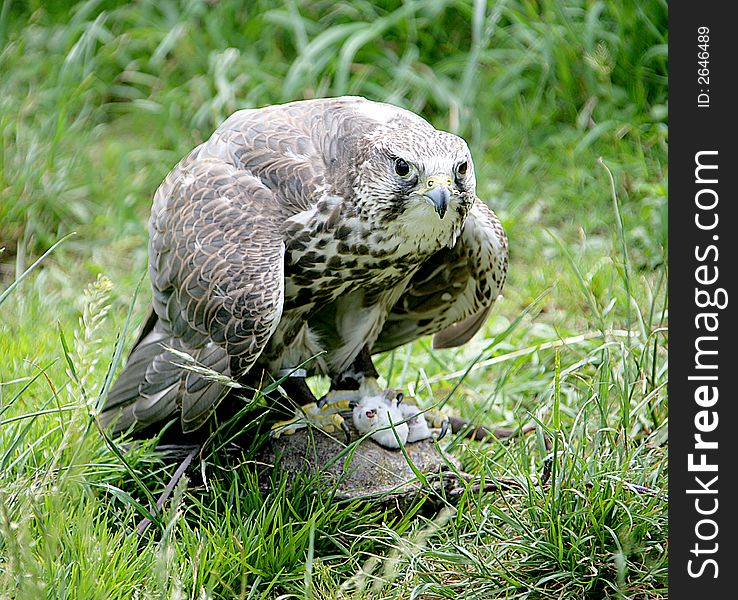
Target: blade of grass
[[4, 295]]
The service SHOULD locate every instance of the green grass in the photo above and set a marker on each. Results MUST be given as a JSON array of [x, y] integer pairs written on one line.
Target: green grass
[[99, 100]]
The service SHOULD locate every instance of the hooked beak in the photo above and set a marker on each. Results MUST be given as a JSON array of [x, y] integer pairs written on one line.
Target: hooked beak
[[439, 195]]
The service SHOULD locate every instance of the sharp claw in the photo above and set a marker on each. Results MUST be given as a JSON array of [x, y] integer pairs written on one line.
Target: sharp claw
[[353, 404], [321, 403], [346, 431], [400, 397], [444, 430]]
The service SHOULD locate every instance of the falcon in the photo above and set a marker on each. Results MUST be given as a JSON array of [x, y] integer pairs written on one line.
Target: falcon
[[299, 240]]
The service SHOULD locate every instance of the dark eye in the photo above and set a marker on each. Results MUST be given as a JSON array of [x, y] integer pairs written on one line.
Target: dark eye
[[462, 168], [401, 167]]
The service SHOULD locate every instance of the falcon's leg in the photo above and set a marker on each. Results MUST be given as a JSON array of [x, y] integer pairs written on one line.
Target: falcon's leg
[[298, 390], [355, 383], [362, 369], [309, 411]]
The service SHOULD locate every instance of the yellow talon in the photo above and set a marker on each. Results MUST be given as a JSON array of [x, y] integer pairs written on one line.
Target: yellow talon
[[325, 417]]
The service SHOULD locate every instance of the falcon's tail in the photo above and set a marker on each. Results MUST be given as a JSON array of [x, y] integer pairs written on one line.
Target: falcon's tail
[[148, 351], [156, 383]]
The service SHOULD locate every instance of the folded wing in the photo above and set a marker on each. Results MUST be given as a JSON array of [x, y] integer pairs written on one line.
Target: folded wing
[[216, 262]]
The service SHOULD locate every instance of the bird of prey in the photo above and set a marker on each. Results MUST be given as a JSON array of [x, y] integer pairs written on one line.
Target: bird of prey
[[317, 232]]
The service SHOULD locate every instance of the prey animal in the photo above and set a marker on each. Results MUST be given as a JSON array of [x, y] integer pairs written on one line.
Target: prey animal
[[392, 423], [301, 239]]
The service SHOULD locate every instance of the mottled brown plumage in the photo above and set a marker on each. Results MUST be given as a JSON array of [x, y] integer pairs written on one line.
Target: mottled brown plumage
[[339, 227]]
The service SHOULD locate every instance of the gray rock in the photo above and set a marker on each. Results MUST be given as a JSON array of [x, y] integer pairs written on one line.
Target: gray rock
[[364, 469]]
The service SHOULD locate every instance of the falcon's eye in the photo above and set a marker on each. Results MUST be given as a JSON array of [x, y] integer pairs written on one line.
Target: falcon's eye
[[401, 167], [462, 168]]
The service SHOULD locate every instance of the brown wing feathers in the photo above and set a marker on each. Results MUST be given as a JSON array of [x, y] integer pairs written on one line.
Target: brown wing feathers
[[217, 271]]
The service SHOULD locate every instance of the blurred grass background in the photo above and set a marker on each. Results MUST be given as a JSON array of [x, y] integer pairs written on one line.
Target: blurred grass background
[[99, 99]]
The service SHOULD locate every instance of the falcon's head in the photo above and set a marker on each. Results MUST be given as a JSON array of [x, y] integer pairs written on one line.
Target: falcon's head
[[416, 177]]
